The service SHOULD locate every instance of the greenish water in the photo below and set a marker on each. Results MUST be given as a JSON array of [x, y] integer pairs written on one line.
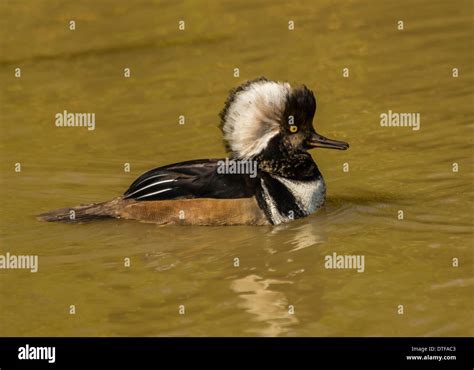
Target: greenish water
[[408, 262]]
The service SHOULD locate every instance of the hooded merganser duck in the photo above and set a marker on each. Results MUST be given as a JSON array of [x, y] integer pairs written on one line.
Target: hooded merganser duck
[[265, 123]]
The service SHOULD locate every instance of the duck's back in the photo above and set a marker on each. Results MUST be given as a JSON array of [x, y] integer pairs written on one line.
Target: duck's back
[[192, 179]]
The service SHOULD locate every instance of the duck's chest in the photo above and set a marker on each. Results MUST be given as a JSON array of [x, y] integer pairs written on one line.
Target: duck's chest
[[286, 199]]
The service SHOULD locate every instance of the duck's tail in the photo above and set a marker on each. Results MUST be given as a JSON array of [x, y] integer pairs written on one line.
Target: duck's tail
[[88, 212]]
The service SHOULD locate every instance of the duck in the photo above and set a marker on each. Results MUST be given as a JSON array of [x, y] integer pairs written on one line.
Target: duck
[[268, 178]]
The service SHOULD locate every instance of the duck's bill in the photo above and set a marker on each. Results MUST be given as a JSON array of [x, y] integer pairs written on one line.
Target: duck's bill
[[319, 141]]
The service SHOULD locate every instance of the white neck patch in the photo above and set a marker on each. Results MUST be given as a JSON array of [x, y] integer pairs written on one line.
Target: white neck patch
[[309, 196], [253, 117]]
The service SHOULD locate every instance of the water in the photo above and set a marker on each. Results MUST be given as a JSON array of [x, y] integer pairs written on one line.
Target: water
[[407, 262]]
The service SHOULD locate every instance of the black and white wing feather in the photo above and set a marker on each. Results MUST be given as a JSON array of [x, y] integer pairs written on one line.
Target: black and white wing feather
[[192, 179]]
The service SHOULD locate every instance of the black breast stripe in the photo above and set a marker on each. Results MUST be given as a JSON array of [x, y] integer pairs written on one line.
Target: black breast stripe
[[282, 198]]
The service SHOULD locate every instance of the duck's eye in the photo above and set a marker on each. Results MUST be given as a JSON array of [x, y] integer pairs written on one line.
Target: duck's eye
[[291, 123]]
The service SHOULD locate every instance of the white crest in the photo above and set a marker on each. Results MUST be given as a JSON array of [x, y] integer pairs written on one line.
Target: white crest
[[252, 116]]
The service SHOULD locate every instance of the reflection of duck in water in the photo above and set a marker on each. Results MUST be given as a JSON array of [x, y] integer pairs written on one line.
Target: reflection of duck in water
[[265, 122], [302, 236], [269, 306]]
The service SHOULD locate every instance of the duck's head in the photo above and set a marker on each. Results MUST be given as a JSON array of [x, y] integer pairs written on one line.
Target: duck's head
[[269, 119]]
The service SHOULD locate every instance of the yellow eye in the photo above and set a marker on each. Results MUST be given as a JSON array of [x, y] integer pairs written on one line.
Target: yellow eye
[[293, 128]]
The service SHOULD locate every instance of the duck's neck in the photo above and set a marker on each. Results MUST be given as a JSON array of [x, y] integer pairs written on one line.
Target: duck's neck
[[298, 166]]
